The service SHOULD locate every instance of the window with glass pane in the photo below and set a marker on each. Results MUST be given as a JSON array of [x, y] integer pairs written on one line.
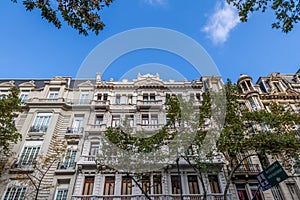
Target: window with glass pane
[[69, 159], [253, 189], [129, 120], [109, 185], [154, 120], [88, 185], [77, 126], [146, 184], [99, 119], [29, 155], [41, 122], [126, 185], [15, 193], [94, 150], [129, 99], [214, 183], [242, 193], [152, 98], [175, 181], [145, 119], [84, 98], [252, 103], [145, 98], [157, 186], [193, 184], [53, 95], [23, 97], [61, 194], [118, 99], [115, 121]]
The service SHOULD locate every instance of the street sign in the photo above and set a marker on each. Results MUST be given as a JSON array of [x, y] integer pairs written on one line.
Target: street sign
[[271, 176]]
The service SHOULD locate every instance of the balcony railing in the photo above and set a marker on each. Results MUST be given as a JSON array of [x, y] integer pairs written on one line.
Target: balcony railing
[[96, 127], [246, 168], [149, 102], [36, 129], [78, 130], [66, 165], [101, 103], [154, 197]]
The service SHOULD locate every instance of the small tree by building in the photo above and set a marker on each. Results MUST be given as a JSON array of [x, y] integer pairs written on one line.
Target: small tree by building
[[9, 109]]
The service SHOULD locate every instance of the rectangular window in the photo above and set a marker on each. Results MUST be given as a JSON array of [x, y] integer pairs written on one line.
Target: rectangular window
[[53, 95], [30, 152], [176, 181], [99, 119], [145, 98], [253, 189], [61, 192], [77, 126], [130, 120], [193, 184], [41, 122], [109, 185], [152, 98], [126, 185], [69, 159], [145, 119], [3, 93], [118, 99], [15, 193], [198, 96], [88, 185], [129, 99], [115, 121], [84, 98], [252, 104], [146, 184], [154, 121], [157, 186], [242, 193], [94, 150], [214, 184], [277, 86], [23, 97]]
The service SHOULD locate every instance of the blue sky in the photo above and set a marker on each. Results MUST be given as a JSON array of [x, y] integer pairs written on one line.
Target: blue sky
[[30, 47]]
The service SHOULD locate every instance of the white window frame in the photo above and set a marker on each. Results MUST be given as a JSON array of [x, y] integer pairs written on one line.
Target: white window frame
[[32, 156], [62, 187], [41, 122], [13, 197]]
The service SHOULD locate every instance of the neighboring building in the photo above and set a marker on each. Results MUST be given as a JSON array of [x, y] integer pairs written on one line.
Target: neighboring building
[[285, 90], [79, 111]]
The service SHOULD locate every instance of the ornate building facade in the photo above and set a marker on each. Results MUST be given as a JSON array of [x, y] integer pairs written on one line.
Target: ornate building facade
[[79, 111]]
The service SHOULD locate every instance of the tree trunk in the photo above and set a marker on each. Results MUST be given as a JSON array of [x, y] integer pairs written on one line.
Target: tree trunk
[[139, 186]]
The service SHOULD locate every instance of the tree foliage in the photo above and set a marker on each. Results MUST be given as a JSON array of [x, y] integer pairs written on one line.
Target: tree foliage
[[9, 107], [287, 12], [257, 133], [82, 15]]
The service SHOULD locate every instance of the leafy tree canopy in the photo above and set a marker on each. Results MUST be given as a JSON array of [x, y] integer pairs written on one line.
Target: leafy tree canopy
[[9, 106], [82, 15], [287, 12]]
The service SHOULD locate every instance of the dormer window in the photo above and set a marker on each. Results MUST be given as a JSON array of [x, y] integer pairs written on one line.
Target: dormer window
[[277, 86]]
